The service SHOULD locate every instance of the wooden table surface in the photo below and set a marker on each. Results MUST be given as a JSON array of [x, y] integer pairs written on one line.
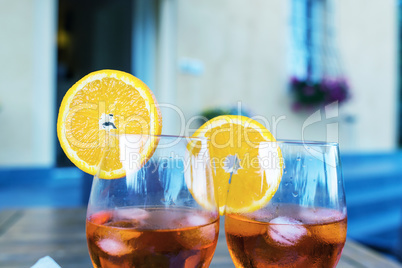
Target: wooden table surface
[[29, 234]]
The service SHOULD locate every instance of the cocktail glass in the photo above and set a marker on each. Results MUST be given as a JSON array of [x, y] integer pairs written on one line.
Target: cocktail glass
[[162, 213], [304, 224]]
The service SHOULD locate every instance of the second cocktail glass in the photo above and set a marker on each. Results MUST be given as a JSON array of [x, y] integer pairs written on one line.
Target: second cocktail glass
[[304, 224], [162, 213]]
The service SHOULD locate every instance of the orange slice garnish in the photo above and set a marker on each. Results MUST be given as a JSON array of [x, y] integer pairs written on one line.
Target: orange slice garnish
[[98, 109], [248, 163]]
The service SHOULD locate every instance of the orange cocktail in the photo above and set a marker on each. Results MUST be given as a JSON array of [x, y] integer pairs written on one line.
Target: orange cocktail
[[304, 223], [155, 237], [297, 238]]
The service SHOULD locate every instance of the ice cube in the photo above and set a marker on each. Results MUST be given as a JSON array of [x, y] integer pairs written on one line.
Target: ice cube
[[114, 247], [198, 237], [328, 224], [261, 215], [208, 233], [203, 232], [196, 220], [286, 231], [190, 219], [314, 215], [131, 214]]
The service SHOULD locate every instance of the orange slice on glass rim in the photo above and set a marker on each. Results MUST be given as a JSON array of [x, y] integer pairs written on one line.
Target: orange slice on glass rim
[[248, 163], [96, 111]]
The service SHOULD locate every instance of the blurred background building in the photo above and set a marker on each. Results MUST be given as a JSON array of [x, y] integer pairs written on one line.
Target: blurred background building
[[198, 57]]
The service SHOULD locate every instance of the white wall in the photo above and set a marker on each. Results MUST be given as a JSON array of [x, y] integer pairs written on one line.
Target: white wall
[[244, 50], [368, 41], [27, 82]]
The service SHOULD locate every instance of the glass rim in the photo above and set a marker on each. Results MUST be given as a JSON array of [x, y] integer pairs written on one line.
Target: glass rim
[[308, 142], [167, 136], [279, 141]]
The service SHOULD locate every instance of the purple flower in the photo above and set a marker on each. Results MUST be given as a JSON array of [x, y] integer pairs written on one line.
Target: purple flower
[[310, 94]]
